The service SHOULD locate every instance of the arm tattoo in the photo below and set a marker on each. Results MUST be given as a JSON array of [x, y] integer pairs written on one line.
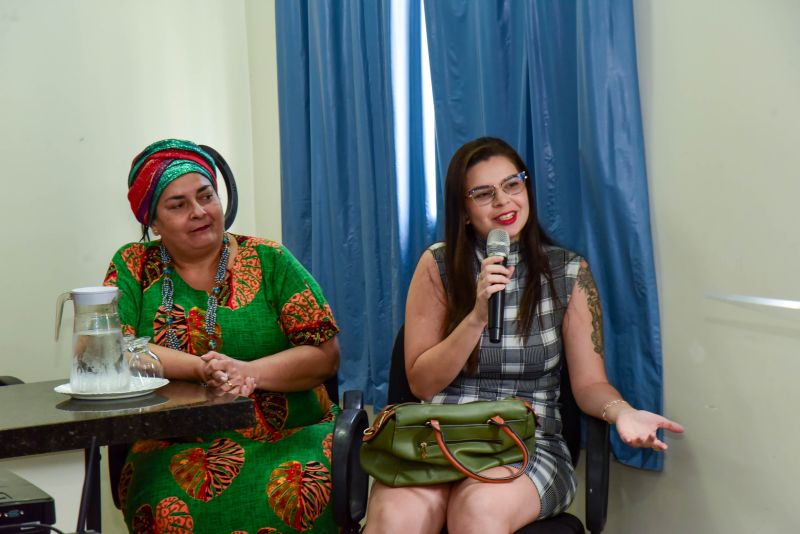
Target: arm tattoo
[[586, 283]]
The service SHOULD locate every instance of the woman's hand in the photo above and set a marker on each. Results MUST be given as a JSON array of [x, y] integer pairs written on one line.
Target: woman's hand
[[493, 278], [224, 374], [637, 428]]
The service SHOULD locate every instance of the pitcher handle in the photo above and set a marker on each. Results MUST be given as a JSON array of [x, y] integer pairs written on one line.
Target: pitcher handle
[[62, 298]]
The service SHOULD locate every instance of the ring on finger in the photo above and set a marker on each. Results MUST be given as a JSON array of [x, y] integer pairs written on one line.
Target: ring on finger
[[229, 383]]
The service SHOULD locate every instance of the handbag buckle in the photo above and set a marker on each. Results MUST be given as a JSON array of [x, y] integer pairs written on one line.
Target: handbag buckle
[[382, 417]]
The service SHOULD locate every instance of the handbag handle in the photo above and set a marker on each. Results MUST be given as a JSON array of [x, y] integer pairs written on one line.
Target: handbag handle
[[496, 420]]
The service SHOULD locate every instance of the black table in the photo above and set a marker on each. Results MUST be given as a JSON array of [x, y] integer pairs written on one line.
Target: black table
[[34, 419]]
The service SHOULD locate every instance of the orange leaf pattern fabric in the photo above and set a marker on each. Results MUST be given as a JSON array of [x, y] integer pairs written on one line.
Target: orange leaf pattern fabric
[[327, 446], [142, 263], [268, 303], [198, 338], [271, 411], [124, 483], [305, 322], [175, 321], [171, 517], [247, 282], [263, 242], [325, 403], [133, 257], [144, 522], [189, 330], [111, 276], [298, 493], [323, 397], [205, 474], [149, 445]]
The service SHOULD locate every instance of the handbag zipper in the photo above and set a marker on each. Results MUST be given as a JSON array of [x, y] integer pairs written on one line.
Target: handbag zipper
[[423, 445], [464, 425]]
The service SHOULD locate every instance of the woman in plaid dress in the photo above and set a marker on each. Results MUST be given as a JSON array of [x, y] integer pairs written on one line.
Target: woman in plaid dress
[[552, 310]]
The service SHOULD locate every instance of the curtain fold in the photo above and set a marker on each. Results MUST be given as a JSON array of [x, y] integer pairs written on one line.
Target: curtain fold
[[338, 177], [617, 208], [558, 81]]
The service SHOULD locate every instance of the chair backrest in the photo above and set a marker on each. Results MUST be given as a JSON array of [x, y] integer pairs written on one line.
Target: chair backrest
[[399, 391], [230, 184], [570, 415]]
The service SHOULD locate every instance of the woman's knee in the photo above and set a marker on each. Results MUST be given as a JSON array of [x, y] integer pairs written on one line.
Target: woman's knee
[[479, 514], [480, 507], [411, 509]]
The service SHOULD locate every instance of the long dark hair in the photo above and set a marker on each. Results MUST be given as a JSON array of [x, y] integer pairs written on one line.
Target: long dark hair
[[461, 240]]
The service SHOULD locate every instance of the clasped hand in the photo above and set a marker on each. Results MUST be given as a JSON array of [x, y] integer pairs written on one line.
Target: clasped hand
[[223, 375], [494, 277], [637, 428]]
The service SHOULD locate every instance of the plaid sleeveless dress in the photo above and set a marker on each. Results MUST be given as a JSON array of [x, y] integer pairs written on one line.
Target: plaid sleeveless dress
[[527, 369]]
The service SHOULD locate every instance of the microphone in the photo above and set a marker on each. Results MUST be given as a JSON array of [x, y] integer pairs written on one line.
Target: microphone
[[497, 244]]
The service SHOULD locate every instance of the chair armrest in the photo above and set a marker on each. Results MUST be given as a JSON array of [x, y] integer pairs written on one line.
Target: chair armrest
[[353, 399], [10, 380], [597, 460], [350, 482]]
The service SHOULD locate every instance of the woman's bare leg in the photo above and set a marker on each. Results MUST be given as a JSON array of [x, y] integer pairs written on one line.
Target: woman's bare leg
[[480, 507], [414, 509]]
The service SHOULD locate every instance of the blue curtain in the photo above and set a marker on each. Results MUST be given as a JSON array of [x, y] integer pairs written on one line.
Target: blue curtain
[[558, 80], [339, 179]]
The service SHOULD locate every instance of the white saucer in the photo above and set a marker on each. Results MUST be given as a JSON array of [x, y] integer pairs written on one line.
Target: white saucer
[[137, 388]]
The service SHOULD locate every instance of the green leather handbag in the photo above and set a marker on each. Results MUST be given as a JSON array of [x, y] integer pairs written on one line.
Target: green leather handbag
[[415, 444]]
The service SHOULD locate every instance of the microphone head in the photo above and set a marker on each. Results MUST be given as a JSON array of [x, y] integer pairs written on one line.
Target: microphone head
[[498, 243]]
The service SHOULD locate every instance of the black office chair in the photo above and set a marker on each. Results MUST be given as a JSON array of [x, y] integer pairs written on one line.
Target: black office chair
[[597, 450]]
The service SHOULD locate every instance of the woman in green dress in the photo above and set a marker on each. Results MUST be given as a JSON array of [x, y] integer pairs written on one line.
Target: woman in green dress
[[241, 315]]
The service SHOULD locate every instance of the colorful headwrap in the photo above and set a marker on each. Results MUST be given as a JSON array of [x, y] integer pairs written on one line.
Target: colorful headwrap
[[159, 165]]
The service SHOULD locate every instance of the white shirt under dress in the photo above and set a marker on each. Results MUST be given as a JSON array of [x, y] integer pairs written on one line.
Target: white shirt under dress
[[529, 369]]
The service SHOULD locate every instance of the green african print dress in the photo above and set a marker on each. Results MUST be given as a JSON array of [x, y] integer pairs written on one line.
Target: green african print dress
[[273, 477]]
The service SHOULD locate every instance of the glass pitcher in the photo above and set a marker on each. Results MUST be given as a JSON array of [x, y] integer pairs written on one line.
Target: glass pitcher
[[98, 365]]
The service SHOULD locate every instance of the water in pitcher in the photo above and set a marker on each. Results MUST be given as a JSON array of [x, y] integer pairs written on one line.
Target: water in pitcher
[[98, 365]]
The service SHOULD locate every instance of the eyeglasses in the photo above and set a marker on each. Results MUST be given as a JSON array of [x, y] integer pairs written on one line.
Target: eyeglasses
[[512, 185]]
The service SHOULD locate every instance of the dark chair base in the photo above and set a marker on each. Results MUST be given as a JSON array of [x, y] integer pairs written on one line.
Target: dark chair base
[[563, 523]]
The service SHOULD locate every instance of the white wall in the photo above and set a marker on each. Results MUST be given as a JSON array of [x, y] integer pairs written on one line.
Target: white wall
[[264, 108], [85, 85], [719, 82]]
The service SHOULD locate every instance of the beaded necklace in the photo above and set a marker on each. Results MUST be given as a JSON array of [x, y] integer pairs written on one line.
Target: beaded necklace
[[167, 290]]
